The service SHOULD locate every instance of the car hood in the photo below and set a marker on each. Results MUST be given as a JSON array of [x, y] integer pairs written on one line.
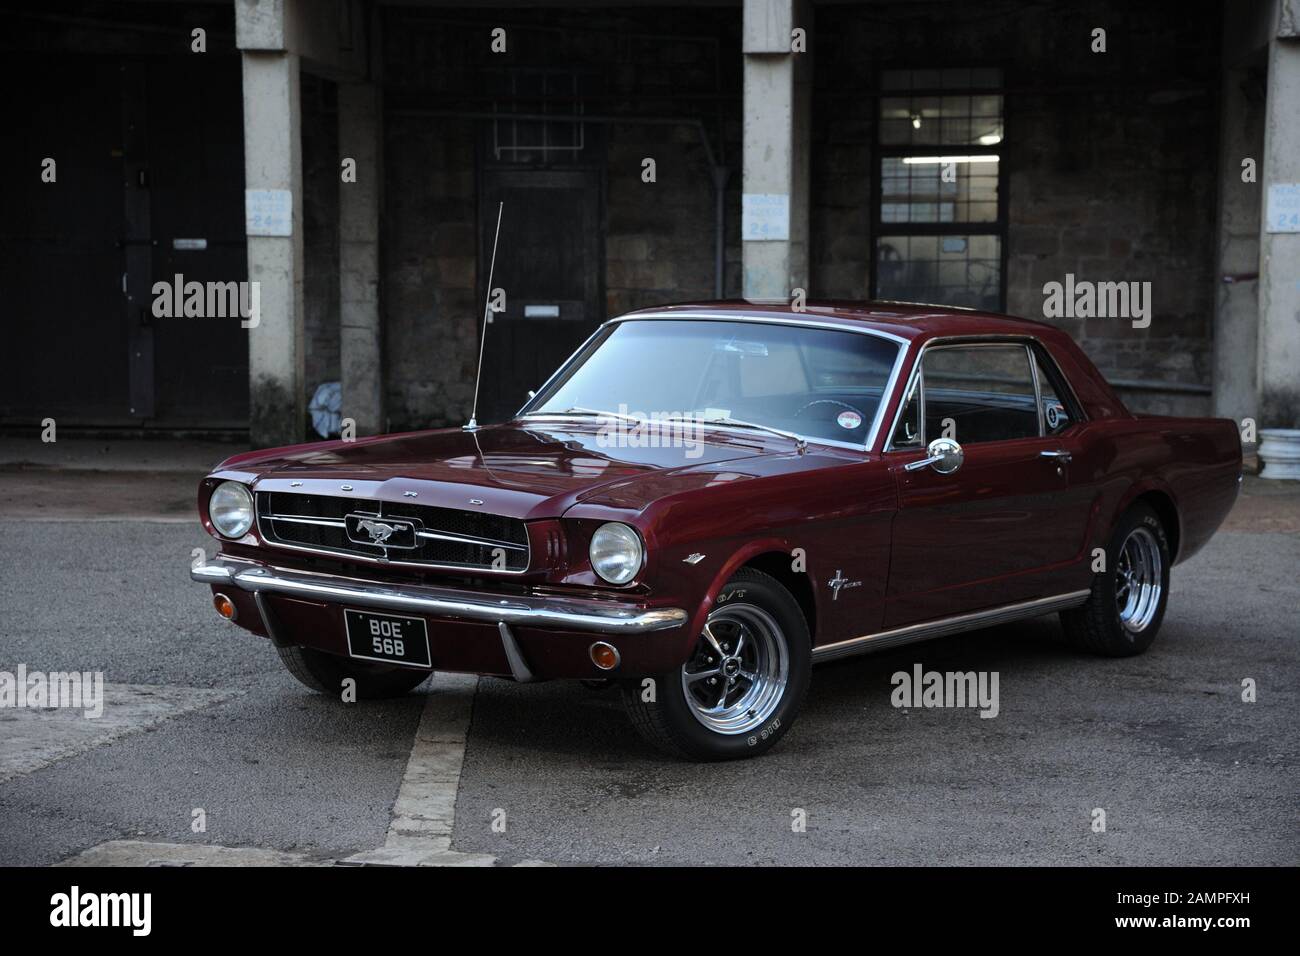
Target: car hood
[[523, 470]]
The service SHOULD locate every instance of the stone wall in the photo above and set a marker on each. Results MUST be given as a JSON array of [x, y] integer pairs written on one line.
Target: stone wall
[[1109, 161], [658, 237], [320, 229]]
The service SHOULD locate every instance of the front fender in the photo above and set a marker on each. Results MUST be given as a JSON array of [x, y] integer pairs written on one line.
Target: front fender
[[726, 570]]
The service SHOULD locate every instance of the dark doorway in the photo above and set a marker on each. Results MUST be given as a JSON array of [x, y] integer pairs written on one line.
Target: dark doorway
[[550, 262], [148, 184]]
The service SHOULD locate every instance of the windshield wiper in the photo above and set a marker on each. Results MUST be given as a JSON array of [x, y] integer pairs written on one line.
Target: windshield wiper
[[594, 412], [800, 442]]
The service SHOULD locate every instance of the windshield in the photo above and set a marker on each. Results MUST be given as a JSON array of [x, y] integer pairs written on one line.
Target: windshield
[[820, 383]]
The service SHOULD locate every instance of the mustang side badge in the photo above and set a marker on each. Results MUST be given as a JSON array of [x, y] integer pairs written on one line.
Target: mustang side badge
[[840, 581]]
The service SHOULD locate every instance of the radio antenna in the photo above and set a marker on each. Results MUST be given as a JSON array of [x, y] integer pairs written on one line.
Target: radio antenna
[[472, 425]]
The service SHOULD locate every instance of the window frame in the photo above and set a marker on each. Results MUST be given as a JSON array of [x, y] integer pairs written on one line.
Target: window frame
[[1038, 356], [878, 228]]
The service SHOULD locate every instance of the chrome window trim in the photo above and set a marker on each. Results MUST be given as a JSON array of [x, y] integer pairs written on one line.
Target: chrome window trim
[[1028, 341], [886, 393], [1042, 356], [1038, 389]]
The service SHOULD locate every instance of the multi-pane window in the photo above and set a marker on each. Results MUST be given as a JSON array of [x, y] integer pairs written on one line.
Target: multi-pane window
[[938, 217]]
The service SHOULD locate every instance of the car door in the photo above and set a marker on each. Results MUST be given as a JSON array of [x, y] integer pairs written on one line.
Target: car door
[[1000, 529]]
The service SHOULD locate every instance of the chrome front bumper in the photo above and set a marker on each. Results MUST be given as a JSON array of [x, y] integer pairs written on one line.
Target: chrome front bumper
[[568, 614]]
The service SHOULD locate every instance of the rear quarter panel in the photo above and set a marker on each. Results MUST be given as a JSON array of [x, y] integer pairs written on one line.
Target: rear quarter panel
[[1193, 462]]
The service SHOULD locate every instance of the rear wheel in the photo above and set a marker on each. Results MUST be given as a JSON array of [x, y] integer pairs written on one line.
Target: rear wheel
[[1128, 599], [325, 673], [742, 687]]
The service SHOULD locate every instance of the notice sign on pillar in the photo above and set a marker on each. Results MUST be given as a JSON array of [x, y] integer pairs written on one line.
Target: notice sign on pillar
[[1283, 208], [764, 216], [268, 212]]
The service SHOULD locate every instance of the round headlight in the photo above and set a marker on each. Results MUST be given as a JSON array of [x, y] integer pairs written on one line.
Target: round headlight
[[231, 509], [616, 553]]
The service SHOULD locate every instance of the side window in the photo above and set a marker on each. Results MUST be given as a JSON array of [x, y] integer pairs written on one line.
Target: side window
[[907, 434], [1056, 414], [979, 393]]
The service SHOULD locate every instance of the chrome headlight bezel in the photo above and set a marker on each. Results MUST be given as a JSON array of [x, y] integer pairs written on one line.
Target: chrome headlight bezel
[[616, 548], [231, 499]]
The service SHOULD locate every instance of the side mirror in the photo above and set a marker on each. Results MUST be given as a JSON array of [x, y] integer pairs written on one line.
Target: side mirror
[[944, 455]]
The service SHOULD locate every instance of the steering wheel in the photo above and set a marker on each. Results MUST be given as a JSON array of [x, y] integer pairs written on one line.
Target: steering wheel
[[831, 401]]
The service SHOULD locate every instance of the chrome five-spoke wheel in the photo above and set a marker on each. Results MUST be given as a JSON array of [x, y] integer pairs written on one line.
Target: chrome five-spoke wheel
[[743, 680], [1126, 603], [1138, 579], [737, 675]]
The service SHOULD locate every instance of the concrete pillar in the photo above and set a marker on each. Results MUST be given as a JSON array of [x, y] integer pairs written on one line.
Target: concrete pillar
[[360, 338], [1278, 367], [276, 38], [774, 211], [272, 169], [1246, 30]]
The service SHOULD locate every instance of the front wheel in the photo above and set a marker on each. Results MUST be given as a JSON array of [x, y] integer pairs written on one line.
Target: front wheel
[[744, 683], [1128, 599]]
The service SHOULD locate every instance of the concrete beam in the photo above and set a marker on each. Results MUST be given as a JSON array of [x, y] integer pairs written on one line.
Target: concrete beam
[[1278, 366], [360, 333], [774, 213], [273, 167], [329, 38]]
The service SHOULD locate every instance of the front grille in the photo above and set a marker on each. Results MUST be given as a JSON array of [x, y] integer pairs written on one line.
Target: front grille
[[397, 532]]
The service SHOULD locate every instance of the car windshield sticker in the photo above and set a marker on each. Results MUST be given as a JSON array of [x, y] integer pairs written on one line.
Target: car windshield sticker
[[849, 420]]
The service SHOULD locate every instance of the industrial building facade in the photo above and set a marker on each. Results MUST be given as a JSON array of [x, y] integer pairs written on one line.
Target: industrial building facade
[[349, 159]]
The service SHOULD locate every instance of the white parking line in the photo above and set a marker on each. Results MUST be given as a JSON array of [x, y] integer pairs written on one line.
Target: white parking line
[[424, 814]]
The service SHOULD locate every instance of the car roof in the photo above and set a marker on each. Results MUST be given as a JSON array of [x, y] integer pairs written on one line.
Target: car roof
[[907, 320]]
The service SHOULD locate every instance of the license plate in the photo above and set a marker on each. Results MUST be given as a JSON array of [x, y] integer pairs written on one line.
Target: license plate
[[388, 638]]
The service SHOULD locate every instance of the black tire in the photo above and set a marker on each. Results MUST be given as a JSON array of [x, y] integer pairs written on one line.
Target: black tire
[[325, 673], [1099, 625], [669, 721]]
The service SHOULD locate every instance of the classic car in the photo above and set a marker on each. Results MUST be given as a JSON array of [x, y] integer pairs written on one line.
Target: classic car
[[705, 500]]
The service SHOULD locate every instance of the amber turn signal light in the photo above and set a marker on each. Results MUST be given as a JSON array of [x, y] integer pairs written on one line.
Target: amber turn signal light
[[605, 656], [225, 607]]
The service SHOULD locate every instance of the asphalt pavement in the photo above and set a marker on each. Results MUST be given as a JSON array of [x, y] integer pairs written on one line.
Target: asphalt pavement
[[204, 724]]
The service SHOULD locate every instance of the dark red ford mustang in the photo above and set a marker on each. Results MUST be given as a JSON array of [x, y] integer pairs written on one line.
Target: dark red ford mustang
[[707, 499]]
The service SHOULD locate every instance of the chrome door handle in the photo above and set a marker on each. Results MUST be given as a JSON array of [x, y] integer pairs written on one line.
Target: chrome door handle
[[1058, 453]]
